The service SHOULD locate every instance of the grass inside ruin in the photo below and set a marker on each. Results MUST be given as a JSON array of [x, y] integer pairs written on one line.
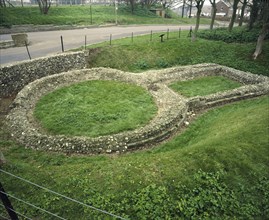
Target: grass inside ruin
[[204, 86], [95, 108]]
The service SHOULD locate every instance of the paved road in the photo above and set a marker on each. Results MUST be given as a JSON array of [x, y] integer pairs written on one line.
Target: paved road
[[48, 42]]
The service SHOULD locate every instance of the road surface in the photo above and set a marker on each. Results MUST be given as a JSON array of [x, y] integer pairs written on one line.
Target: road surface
[[48, 42]]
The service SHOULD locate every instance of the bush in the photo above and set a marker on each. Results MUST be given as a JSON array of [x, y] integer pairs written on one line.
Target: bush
[[238, 34]]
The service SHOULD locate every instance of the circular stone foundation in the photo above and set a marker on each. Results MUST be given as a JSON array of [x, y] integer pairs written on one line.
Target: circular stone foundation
[[171, 113], [172, 107]]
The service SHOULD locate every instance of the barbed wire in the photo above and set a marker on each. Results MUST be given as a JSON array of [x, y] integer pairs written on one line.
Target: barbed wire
[[63, 196]]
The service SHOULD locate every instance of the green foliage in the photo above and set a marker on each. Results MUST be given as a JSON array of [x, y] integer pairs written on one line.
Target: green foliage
[[204, 86], [238, 34], [95, 108]]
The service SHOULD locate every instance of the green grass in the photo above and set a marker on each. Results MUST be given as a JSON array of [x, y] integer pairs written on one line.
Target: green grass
[[143, 54], [81, 15], [204, 86], [223, 155], [216, 169], [95, 108]]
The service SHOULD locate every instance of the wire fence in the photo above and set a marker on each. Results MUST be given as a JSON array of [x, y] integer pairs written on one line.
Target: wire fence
[[42, 210]]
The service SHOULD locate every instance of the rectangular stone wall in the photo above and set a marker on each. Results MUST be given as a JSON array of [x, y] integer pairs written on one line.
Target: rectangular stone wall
[[14, 77]]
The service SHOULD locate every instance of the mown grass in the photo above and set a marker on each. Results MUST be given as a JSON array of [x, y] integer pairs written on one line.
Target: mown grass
[[85, 15], [204, 86], [95, 108], [143, 53]]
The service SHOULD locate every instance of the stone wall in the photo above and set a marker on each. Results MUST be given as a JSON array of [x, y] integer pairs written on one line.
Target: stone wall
[[172, 107], [14, 77]]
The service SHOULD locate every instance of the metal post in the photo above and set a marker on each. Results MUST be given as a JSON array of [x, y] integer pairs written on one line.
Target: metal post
[[62, 43], [110, 39], [7, 204], [132, 37], [151, 36], [27, 50], [85, 41]]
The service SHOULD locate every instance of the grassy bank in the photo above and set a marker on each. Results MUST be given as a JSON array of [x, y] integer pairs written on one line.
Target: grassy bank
[[86, 15], [143, 53], [220, 162]]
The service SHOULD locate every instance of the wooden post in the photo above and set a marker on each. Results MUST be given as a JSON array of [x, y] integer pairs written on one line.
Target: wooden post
[[27, 50], [62, 43], [10, 210]]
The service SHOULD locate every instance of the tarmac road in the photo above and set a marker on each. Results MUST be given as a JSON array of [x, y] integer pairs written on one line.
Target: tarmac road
[[48, 42]]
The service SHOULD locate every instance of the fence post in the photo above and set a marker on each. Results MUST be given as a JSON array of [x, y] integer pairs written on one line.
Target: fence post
[[7, 204], [85, 41], [150, 35], [62, 43], [132, 37], [179, 31], [27, 50], [110, 39]]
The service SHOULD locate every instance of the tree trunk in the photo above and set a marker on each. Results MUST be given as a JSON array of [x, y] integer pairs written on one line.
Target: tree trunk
[[2, 3], [199, 6], [183, 8], [233, 15], [190, 9], [264, 31], [253, 15], [214, 12], [258, 50], [242, 12]]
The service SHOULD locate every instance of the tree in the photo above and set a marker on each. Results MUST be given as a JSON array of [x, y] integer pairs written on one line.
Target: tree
[[264, 30], [253, 14], [244, 5], [231, 24], [199, 6], [214, 12], [2, 3], [44, 6]]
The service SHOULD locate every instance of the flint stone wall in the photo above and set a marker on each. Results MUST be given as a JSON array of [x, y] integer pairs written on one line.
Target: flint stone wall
[[172, 107], [14, 77]]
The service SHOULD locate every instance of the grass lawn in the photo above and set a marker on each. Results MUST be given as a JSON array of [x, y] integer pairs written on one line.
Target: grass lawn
[[204, 86], [95, 108]]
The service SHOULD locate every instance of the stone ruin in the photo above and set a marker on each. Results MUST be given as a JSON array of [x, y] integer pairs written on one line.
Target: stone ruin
[[173, 108]]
